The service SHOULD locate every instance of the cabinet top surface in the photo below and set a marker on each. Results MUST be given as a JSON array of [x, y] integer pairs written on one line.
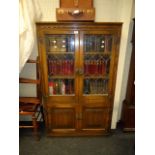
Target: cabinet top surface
[[80, 23]]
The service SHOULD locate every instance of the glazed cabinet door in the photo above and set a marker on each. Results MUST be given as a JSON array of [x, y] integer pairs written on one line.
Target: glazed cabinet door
[[59, 56], [97, 50]]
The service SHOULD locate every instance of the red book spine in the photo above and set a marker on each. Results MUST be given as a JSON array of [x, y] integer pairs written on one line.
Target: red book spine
[[61, 70], [100, 67], [58, 67], [72, 67], [95, 67], [65, 67], [86, 67], [91, 67], [103, 67], [68, 67]]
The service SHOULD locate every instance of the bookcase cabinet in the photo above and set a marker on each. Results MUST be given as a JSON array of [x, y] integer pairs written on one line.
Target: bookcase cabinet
[[79, 66]]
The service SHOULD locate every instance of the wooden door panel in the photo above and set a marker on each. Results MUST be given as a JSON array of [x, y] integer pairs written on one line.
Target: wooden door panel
[[61, 118], [95, 118], [102, 101]]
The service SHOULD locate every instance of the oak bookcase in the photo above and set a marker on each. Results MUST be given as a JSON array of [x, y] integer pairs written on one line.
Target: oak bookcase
[[79, 66]]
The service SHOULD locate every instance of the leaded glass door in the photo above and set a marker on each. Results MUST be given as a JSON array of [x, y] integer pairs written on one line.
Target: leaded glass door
[[95, 65], [61, 54]]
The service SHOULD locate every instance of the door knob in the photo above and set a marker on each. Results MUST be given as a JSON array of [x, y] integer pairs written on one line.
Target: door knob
[[77, 71]]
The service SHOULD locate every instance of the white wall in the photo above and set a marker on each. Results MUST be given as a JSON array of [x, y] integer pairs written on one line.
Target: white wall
[[106, 11], [124, 59]]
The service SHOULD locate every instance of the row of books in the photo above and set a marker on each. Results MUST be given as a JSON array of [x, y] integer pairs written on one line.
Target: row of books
[[95, 86], [61, 67], [61, 86], [96, 67]]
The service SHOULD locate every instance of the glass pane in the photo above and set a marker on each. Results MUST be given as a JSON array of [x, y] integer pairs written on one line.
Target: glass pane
[[60, 60], [95, 86], [61, 87], [97, 51], [97, 43], [96, 65], [60, 64], [60, 43], [94, 43]]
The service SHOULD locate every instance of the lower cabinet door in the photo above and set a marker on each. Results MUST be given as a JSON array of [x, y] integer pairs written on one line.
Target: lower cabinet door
[[61, 120], [95, 119], [84, 120]]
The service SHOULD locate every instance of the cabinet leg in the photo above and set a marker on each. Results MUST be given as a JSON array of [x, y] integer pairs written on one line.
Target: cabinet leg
[[35, 128]]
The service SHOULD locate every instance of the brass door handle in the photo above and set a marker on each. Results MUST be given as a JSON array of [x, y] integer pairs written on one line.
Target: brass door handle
[[79, 71]]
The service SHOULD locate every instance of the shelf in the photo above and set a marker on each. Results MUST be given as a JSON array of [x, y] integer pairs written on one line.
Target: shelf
[[96, 53], [62, 95], [32, 61], [34, 100], [95, 94], [55, 52], [61, 77], [26, 80], [96, 77]]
